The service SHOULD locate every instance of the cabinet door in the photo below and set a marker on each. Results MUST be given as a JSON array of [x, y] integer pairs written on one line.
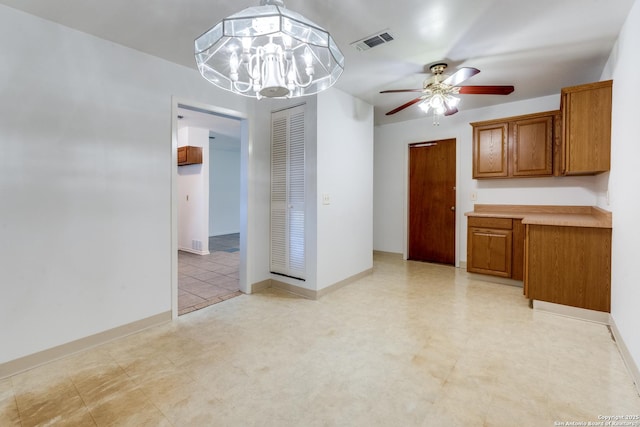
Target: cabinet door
[[532, 146], [517, 264], [490, 151], [182, 155], [489, 251], [189, 155], [569, 265], [586, 115]]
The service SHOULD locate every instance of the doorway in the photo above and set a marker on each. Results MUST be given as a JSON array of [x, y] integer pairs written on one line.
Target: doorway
[[214, 268], [432, 199]]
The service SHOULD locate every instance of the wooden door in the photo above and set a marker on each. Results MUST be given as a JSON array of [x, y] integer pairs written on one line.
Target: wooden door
[[432, 201]]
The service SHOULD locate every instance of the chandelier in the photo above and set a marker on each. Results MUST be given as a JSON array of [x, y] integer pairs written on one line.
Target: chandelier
[[269, 51]]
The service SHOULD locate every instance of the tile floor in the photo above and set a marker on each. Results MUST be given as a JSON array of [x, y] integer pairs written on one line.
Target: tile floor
[[412, 344], [204, 280]]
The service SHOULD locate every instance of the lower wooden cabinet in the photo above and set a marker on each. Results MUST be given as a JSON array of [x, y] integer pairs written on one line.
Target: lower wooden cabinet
[[495, 246], [569, 265]]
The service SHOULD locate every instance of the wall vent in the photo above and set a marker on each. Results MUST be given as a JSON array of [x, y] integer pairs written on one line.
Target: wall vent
[[377, 39]]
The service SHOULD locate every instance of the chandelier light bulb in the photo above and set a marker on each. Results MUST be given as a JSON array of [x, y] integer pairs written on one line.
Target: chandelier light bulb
[[424, 106], [246, 44]]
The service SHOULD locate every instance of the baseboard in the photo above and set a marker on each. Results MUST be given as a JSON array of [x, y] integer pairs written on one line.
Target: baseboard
[[626, 354], [495, 279], [260, 286], [293, 289], [193, 251], [389, 254], [31, 361], [574, 312], [322, 292], [308, 293]]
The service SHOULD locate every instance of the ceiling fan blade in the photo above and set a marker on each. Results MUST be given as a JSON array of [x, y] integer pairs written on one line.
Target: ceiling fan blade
[[486, 90], [461, 75], [451, 111], [403, 106], [401, 90]]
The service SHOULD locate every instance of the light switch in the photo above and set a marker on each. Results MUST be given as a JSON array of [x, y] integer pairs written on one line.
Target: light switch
[[326, 199], [474, 196]]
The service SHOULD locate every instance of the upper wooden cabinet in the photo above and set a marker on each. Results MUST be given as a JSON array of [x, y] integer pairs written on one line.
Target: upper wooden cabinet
[[521, 146], [586, 128], [189, 155], [490, 149]]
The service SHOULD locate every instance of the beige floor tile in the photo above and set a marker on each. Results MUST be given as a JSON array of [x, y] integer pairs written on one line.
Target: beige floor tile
[[9, 415], [413, 344]]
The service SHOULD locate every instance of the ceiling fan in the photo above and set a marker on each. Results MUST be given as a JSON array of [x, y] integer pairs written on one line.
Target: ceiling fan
[[439, 89]]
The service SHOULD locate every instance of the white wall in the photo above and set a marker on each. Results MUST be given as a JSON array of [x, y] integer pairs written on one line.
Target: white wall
[[224, 185], [345, 174], [390, 173], [623, 183], [193, 194], [85, 182], [338, 161]]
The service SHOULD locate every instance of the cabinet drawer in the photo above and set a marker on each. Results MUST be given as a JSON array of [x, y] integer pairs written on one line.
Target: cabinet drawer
[[476, 221]]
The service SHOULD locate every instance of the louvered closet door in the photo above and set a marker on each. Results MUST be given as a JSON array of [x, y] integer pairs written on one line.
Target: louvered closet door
[[287, 192]]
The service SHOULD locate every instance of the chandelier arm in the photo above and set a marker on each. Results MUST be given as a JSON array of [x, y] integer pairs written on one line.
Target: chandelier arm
[[306, 84], [249, 86], [251, 68]]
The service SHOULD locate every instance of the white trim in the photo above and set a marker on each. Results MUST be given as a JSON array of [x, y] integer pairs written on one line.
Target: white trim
[[245, 159], [405, 205], [574, 312], [31, 361], [193, 251], [633, 369]]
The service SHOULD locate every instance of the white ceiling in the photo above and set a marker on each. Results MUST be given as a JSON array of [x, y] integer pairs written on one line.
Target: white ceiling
[[537, 46]]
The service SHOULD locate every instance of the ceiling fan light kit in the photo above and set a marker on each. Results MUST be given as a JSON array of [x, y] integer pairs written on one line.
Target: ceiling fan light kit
[[438, 92], [269, 51]]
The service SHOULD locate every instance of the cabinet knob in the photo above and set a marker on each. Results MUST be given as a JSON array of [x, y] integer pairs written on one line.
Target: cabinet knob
[[453, 208]]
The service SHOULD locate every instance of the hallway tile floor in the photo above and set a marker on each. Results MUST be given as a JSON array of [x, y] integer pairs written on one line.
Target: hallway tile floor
[[412, 344], [204, 280]]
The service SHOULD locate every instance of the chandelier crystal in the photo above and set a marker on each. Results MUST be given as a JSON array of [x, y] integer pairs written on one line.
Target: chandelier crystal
[[269, 51]]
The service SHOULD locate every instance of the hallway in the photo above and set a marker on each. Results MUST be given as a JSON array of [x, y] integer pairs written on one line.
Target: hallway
[[204, 280]]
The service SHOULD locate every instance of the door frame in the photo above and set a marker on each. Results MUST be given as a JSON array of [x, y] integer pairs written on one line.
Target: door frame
[[245, 287], [405, 204]]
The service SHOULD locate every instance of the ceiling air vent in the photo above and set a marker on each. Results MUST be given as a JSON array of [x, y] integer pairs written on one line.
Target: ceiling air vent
[[372, 41]]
